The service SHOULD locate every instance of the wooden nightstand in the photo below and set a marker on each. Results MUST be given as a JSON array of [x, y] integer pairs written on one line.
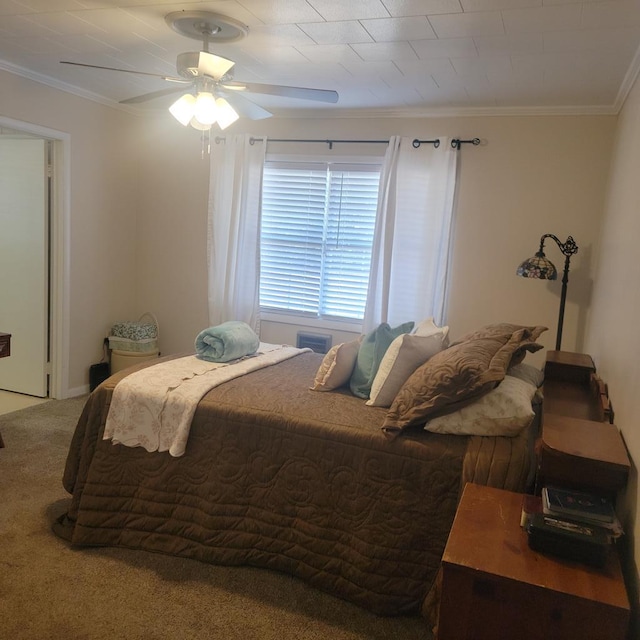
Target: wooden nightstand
[[579, 446], [494, 586]]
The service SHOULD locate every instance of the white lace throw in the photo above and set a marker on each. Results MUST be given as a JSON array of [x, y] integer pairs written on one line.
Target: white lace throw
[[153, 408]]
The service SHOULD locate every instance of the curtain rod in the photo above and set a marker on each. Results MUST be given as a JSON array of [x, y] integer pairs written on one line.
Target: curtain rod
[[435, 143], [456, 143]]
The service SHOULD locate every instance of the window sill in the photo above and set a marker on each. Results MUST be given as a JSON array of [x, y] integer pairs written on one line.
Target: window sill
[[316, 323]]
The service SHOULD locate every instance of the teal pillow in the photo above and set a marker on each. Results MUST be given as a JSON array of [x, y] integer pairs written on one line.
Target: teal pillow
[[370, 354]]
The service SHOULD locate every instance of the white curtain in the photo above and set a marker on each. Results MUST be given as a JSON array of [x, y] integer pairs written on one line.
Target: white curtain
[[410, 257], [233, 250]]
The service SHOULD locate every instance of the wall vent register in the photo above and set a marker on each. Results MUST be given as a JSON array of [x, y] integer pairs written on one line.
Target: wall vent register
[[318, 342]]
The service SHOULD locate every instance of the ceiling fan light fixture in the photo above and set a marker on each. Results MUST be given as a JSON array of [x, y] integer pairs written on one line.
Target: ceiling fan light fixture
[[183, 108], [205, 109], [226, 113], [198, 125]]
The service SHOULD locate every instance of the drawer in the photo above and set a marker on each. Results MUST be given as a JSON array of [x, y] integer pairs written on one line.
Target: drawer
[[582, 454], [485, 607], [569, 367], [5, 345]]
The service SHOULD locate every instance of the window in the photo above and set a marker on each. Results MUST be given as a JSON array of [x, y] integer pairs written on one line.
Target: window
[[317, 230]]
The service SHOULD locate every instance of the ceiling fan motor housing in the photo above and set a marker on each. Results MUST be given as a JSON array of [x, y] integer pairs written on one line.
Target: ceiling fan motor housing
[[198, 64], [188, 63]]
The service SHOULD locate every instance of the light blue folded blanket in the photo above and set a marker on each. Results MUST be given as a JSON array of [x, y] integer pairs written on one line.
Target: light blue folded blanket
[[227, 341]]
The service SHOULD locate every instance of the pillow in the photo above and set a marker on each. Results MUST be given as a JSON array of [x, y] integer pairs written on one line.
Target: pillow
[[372, 350], [456, 375], [505, 328], [337, 366], [504, 411], [405, 354], [426, 328], [528, 373], [500, 329]]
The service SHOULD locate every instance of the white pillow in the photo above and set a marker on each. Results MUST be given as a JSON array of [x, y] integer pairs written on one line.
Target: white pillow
[[427, 327], [504, 411], [337, 366], [528, 373], [404, 355]]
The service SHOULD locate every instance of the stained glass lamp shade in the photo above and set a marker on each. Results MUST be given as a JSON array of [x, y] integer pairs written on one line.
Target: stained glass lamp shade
[[539, 266]]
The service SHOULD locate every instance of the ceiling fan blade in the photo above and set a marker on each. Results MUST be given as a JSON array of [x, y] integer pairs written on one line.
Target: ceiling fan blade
[[195, 64], [139, 73], [319, 95], [245, 107], [214, 66], [153, 95]]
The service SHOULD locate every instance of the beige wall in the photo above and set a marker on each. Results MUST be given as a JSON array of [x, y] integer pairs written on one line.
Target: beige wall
[[613, 337], [103, 210], [530, 175], [138, 226], [171, 257], [138, 213]]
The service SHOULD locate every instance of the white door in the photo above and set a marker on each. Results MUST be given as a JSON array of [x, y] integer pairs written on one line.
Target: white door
[[24, 264]]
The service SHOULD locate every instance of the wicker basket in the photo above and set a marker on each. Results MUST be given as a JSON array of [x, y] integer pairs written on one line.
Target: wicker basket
[[136, 337], [122, 359]]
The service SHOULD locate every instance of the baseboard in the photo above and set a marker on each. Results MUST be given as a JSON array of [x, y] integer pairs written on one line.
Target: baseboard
[[77, 391]]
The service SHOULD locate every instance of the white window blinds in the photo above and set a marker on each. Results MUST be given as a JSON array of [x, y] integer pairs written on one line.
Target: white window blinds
[[317, 230]]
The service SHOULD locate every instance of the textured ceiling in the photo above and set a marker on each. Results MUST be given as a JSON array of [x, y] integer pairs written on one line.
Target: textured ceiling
[[383, 56]]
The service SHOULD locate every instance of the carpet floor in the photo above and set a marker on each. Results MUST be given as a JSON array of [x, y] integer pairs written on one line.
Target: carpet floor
[[52, 591]]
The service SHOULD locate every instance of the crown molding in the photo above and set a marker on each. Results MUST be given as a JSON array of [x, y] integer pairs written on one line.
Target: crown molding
[[55, 84], [451, 112], [375, 112], [628, 82]]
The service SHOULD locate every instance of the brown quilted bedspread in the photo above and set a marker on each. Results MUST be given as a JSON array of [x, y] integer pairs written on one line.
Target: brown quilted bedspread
[[278, 476]]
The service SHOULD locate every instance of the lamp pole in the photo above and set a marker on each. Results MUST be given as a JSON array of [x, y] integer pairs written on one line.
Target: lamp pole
[[568, 249]]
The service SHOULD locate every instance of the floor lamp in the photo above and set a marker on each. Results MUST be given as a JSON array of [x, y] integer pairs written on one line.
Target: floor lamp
[[540, 267]]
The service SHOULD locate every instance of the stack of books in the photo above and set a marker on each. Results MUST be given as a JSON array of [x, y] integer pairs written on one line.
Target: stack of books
[[572, 524], [577, 505]]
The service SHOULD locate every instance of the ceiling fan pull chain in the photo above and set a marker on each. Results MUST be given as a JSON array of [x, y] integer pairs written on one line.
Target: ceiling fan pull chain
[[205, 140]]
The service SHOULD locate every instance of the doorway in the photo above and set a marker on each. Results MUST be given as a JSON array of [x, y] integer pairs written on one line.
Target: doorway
[[34, 260], [24, 263]]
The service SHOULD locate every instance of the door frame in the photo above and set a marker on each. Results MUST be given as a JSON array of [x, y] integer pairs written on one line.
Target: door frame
[[60, 217]]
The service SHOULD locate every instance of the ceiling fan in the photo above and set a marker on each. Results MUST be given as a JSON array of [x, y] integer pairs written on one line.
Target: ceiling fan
[[210, 93]]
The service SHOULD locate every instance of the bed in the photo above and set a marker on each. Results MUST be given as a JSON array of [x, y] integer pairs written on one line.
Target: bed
[[277, 475]]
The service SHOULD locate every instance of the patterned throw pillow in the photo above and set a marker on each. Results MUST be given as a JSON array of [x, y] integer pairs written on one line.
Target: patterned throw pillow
[[504, 411], [458, 375]]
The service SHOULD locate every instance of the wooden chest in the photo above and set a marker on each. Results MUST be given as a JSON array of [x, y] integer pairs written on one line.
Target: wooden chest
[[580, 447], [495, 586]]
